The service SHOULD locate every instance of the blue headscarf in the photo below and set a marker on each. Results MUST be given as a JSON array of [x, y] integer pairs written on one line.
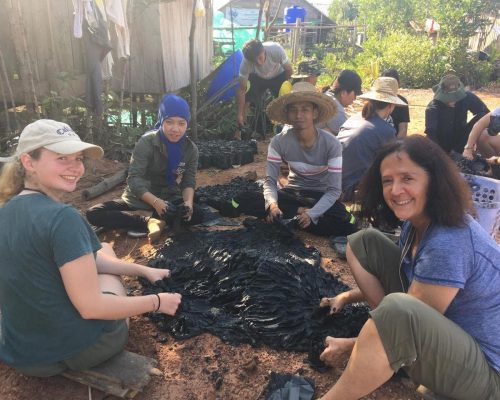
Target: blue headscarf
[[172, 106]]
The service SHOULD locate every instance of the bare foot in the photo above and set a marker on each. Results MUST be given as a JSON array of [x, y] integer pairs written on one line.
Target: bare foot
[[155, 227], [337, 350]]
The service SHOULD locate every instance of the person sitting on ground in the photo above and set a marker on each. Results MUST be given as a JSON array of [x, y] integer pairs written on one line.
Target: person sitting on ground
[[400, 117], [314, 158], [446, 115], [484, 136], [161, 177], [265, 66], [62, 303], [343, 92], [434, 297], [363, 135]]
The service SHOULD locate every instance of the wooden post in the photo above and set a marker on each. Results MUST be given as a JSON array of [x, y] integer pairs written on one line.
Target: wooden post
[[22, 53], [193, 77], [5, 106], [9, 87], [259, 19]]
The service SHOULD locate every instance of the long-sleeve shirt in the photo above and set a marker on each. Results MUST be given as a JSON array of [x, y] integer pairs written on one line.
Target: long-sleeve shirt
[[447, 126], [146, 172], [317, 168]]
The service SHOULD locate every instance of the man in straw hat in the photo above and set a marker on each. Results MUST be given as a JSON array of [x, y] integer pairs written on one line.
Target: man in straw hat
[[363, 135], [446, 115], [314, 158]]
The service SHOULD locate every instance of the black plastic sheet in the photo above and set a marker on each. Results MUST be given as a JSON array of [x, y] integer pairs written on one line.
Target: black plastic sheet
[[224, 154], [216, 195], [258, 285]]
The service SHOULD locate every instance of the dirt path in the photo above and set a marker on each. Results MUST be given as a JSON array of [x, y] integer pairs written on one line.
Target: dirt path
[[191, 368]]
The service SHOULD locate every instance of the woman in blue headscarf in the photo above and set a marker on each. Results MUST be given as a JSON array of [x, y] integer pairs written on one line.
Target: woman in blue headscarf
[[161, 177]]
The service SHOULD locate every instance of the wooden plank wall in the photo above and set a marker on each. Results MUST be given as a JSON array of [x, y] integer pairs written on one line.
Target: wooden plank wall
[[158, 60]]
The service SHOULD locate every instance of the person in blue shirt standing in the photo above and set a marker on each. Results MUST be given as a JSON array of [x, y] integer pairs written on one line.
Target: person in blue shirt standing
[[434, 297]]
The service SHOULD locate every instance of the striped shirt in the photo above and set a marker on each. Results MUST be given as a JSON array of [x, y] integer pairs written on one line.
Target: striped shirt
[[317, 168]]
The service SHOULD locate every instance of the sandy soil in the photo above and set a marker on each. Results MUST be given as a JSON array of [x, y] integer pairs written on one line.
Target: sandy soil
[[205, 367]]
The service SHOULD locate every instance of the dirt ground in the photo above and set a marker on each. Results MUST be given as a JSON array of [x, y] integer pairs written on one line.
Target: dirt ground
[[188, 366]]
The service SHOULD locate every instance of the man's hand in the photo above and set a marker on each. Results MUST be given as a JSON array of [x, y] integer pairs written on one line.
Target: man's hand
[[274, 213], [303, 217]]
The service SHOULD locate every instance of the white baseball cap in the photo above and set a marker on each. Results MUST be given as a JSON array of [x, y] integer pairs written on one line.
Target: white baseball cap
[[55, 136]]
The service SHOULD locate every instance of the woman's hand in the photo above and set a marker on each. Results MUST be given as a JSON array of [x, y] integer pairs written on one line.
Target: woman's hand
[[155, 274], [169, 303], [304, 218], [468, 153], [189, 212], [160, 206], [336, 303]]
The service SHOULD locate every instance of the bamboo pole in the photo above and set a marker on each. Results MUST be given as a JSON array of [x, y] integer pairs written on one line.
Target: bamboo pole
[[193, 77]]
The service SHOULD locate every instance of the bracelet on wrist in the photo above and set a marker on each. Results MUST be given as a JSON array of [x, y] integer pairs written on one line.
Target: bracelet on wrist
[[468, 148]]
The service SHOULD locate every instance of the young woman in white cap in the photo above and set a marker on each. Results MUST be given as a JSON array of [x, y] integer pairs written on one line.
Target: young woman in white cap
[[62, 304], [363, 135]]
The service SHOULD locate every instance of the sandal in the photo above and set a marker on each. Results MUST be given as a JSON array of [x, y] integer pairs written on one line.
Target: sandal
[[339, 244]]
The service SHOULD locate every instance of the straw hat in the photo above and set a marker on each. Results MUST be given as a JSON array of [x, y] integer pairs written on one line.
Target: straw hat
[[384, 89], [301, 91], [54, 136], [449, 89]]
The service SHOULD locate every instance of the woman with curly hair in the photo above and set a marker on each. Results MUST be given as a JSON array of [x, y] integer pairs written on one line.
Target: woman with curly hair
[[434, 297]]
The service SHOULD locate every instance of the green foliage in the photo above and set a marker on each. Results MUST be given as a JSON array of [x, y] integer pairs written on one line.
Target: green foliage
[[461, 18], [420, 64]]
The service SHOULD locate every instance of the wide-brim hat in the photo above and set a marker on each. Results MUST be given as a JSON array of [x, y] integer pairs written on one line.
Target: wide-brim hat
[[301, 91], [55, 136], [449, 90], [384, 89]]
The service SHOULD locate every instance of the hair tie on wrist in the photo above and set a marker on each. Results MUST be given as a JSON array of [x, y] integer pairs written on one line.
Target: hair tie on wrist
[[159, 302]]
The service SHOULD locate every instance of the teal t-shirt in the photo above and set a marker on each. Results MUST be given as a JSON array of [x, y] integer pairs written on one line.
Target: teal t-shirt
[[38, 323]]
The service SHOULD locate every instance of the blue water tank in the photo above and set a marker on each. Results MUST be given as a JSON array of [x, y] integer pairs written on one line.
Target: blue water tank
[[229, 70], [293, 13]]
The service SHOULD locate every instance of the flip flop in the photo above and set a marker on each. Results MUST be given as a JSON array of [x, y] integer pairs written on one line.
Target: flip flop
[[136, 234]]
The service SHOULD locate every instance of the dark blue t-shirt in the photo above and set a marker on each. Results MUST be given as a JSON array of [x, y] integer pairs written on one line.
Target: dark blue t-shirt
[[39, 324], [361, 139], [466, 258]]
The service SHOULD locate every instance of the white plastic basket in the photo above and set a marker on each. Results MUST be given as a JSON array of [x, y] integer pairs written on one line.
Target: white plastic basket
[[486, 198]]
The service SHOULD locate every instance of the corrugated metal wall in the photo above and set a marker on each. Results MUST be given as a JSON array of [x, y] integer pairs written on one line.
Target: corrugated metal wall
[[159, 59]]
